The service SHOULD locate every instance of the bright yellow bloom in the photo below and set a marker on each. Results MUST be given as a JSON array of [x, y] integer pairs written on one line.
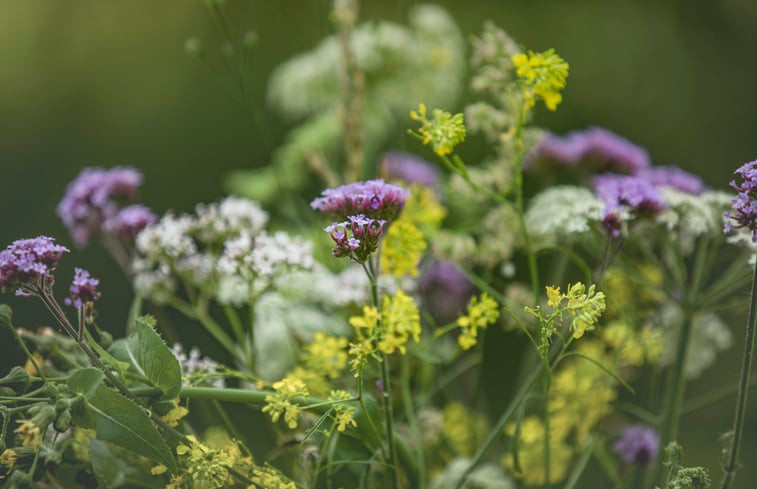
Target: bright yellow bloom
[[175, 415], [207, 467], [269, 478], [402, 248], [326, 355], [280, 403], [8, 457], [481, 312], [344, 412], [542, 75], [400, 320], [585, 306], [444, 131], [366, 322], [30, 434]]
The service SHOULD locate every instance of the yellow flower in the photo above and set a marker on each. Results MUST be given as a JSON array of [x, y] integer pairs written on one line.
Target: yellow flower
[[366, 322], [280, 403], [29, 433], [8, 457], [444, 131], [481, 312], [403, 248], [400, 320], [269, 478], [326, 355], [158, 470], [542, 75], [175, 415]]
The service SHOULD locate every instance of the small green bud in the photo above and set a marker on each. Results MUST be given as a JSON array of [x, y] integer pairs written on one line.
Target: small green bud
[[7, 392], [63, 421], [50, 390], [44, 416], [17, 379], [106, 339], [62, 404]]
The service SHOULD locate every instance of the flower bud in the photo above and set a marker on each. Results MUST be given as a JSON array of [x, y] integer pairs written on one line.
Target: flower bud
[[63, 421], [17, 379]]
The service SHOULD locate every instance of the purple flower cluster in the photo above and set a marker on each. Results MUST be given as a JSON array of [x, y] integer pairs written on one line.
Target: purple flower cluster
[[445, 290], [744, 206], [27, 264], [595, 146], [409, 168], [93, 198], [83, 289], [373, 198], [620, 192], [638, 444], [357, 237], [673, 177], [129, 222]]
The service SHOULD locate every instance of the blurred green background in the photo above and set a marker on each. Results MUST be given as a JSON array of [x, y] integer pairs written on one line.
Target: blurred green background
[[86, 83]]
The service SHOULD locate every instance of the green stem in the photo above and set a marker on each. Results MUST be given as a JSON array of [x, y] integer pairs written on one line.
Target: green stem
[[407, 401], [547, 461], [208, 323], [236, 323], [27, 352], [741, 401], [676, 387]]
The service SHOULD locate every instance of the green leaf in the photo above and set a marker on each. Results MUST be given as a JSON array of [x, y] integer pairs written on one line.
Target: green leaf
[[112, 472], [150, 357], [110, 361], [85, 381], [118, 420]]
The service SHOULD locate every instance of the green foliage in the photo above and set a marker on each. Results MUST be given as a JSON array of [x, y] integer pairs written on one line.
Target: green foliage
[[112, 471], [149, 356]]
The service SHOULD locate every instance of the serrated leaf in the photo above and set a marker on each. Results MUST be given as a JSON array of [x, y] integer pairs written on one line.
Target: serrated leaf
[[118, 420], [107, 358], [112, 472], [150, 357], [85, 381]]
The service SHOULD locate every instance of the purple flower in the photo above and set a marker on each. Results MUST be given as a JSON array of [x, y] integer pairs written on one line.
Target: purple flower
[[129, 222], [594, 146], [357, 237], [93, 198], [638, 444], [27, 264], [411, 169], [83, 289], [672, 176], [744, 206], [372, 198], [445, 290], [620, 192]]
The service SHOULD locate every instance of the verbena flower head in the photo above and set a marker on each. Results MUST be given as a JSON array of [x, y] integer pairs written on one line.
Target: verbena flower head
[[638, 444], [27, 264], [409, 168], [626, 193], [673, 177], [596, 147], [542, 75], [444, 131], [357, 237], [129, 221], [83, 289], [375, 199], [93, 198], [744, 207]]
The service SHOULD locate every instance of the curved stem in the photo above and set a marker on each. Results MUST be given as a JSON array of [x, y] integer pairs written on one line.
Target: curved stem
[[741, 401]]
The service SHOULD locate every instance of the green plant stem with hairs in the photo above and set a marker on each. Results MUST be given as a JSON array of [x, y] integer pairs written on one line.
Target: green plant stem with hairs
[[741, 401]]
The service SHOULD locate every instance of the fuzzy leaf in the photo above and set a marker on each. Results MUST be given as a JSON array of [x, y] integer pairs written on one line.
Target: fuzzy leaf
[[85, 381], [112, 472], [150, 357], [118, 420]]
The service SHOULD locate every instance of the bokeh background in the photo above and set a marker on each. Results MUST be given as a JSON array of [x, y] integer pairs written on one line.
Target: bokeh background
[[86, 83]]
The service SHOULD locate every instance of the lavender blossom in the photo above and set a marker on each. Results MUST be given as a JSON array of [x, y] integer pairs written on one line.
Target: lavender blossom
[[409, 168], [357, 237], [674, 177], [83, 289], [596, 146], [27, 265], [129, 221], [638, 444], [373, 199], [744, 212], [92, 198], [625, 193]]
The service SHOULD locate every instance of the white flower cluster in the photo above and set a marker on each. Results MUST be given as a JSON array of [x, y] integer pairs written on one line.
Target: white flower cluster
[[562, 211], [222, 250], [691, 216], [193, 364]]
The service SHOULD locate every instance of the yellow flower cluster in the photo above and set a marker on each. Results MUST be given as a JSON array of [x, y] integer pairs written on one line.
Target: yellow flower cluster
[[205, 466], [481, 312], [542, 75], [176, 414], [269, 478], [402, 248], [326, 355], [8, 457], [399, 321], [634, 348], [423, 208], [344, 413], [586, 307], [30, 434], [463, 429], [444, 131], [280, 402]]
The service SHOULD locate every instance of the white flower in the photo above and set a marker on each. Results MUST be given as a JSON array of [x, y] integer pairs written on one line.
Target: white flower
[[562, 211], [195, 364]]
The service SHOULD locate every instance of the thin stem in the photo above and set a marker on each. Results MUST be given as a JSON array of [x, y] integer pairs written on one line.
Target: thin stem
[[27, 352], [210, 325], [407, 401], [236, 323], [741, 400]]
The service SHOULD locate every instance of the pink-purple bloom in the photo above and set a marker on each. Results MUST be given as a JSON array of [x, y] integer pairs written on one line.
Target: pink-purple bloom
[[744, 207], [83, 289], [375, 199], [409, 168], [27, 264], [620, 192], [93, 197], [638, 444], [674, 177], [596, 147], [357, 237], [129, 222]]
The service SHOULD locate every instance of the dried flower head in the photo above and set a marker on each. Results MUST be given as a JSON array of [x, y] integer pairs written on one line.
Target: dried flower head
[[27, 264], [375, 199]]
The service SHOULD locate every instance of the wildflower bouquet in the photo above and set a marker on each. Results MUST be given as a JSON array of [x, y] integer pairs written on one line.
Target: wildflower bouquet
[[530, 320]]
